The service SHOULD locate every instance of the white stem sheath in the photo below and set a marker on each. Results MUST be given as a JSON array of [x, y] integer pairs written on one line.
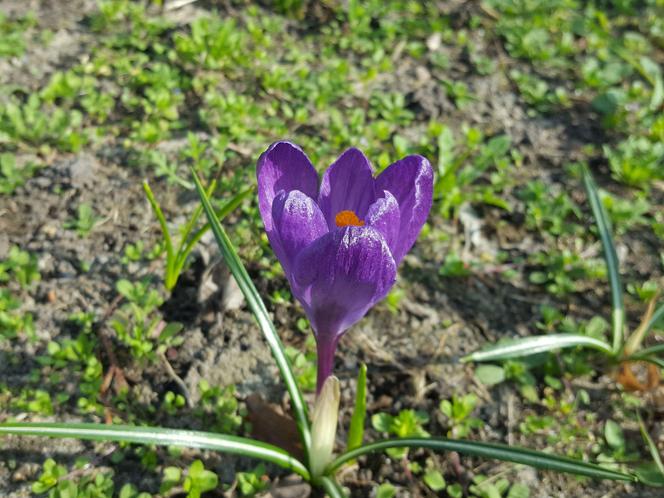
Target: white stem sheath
[[324, 426]]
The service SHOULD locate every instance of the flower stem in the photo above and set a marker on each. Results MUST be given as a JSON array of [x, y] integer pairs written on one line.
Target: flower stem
[[326, 345]]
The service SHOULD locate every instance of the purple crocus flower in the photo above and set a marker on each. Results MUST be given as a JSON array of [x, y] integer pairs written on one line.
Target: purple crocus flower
[[340, 243]]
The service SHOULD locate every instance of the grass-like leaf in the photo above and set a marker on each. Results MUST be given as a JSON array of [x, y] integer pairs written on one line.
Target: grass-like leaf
[[647, 474], [656, 317], [611, 258], [648, 321], [494, 451], [331, 487], [260, 312], [651, 351], [162, 437], [527, 346], [170, 251], [356, 430], [224, 211], [652, 447], [649, 357]]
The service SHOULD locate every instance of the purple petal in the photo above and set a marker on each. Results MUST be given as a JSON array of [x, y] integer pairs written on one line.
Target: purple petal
[[341, 275], [410, 180], [383, 215], [297, 221], [283, 166], [348, 184]]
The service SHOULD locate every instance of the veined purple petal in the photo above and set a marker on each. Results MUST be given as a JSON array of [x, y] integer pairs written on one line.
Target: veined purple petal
[[384, 216], [410, 180], [347, 184], [283, 166], [297, 221], [341, 275]]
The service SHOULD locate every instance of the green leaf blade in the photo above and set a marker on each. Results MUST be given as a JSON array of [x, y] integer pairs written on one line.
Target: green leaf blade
[[260, 313], [611, 258], [356, 430], [162, 437], [161, 219], [528, 346], [494, 451], [331, 487]]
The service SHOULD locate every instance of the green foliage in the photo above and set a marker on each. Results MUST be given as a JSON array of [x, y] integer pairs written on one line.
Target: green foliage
[[487, 487], [304, 367], [356, 428], [386, 490], [49, 477], [454, 266], [84, 222], [458, 411], [77, 357], [35, 123], [81, 482], [458, 91], [636, 161], [407, 423], [176, 255], [548, 212], [138, 324], [23, 268], [20, 266], [218, 408], [434, 480], [14, 322], [13, 176], [199, 480], [13, 34], [537, 93], [561, 272], [461, 164], [252, 482]]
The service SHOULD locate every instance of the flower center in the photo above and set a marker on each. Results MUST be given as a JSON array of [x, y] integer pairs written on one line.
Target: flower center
[[347, 218]]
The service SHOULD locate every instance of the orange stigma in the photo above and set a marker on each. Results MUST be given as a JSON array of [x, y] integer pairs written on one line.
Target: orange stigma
[[347, 218]]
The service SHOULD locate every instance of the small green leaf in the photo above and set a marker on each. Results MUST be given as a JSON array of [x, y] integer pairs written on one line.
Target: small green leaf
[[485, 490], [614, 436], [454, 490], [434, 480], [125, 288], [386, 490], [382, 422], [446, 408], [519, 490], [490, 374], [172, 477]]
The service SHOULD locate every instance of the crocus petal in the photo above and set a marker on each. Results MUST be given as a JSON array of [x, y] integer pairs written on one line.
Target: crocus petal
[[347, 184], [297, 223], [410, 180], [283, 166], [341, 275], [384, 215]]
